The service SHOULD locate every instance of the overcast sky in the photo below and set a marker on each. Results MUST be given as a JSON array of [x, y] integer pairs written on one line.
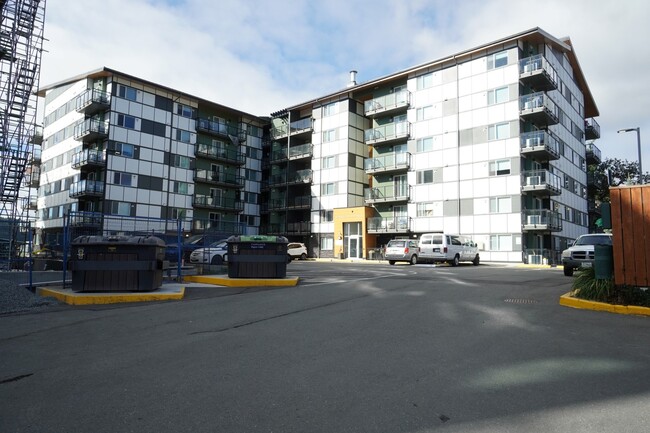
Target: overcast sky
[[260, 56]]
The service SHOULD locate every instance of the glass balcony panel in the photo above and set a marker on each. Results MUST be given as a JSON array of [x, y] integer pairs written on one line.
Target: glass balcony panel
[[540, 145], [387, 163], [387, 103], [542, 220], [387, 193], [387, 133], [538, 108], [541, 182], [538, 73]]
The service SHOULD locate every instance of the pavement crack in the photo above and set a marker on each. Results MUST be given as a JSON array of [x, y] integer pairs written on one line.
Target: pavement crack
[[15, 378]]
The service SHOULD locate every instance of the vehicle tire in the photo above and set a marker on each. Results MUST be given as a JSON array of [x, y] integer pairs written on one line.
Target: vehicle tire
[[289, 258], [303, 256], [391, 262], [568, 271], [476, 260], [455, 261], [414, 260], [216, 260]]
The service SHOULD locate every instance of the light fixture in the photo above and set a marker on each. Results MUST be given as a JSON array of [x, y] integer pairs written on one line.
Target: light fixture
[[638, 141]]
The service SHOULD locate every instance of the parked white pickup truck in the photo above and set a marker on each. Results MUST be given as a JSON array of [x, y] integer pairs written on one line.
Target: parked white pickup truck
[[581, 253]]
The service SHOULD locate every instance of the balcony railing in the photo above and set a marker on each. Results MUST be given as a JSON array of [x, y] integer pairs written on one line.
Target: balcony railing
[[538, 73], [230, 227], [231, 180], [592, 129], [91, 129], [92, 101], [33, 203], [34, 179], [300, 176], [389, 193], [36, 154], [538, 108], [299, 228], [540, 145], [301, 151], [219, 153], [541, 182], [388, 163], [388, 133], [277, 204], [297, 127], [93, 188], [542, 256], [593, 154], [279, 155], [92, 157], [543, 220], [300, 202], [387, 104], [220, 128], [400, 224], [223, 203], [37, 136]]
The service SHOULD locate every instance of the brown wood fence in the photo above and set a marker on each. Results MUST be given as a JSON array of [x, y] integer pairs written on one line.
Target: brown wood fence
[[631, 234]]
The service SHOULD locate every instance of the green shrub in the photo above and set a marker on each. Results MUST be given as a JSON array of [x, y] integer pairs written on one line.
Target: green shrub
[[586, 286]]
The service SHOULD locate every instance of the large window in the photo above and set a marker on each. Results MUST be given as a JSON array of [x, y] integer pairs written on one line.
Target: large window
[[327, 243], [424, 113], [326, 216], [499, 131], [497, 60], [500, 204], [181, 187], [126, 121], [185, 111], [127, 92], [424, 144], [124, 179], [424, 176], [425, 81], [498, 96], [428, 209], [183, 136], [501, 242], [181, 161], [121, 208], [329, 161], [329, 188], [330, 109], [329, 135], [124, 149], [500, 167]]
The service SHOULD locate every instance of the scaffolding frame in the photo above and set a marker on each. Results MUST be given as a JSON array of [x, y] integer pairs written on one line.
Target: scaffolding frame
[[21, 46]]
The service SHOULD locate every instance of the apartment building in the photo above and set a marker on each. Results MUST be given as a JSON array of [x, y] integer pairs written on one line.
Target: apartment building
[[492, 142], [115, 144]]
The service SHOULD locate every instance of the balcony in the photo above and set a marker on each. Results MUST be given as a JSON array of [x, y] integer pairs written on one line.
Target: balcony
[[86, 219], [537, 73], [92, 101], [221, 128], [385, 194], [230, 227], [277, 204], [539, 109], [274, 229], [220, 203], [592, 129], [391, 103], [36, 155], [593, 155], [34, 179], [89, 157], [90, 188], [300, 202], [32, 204], [37, 136], [300, 176], [541, 220], [279, 155], [301, 151], [389, 163], [299, 228], [541, 182], [540, 146], [387, 134], [219, 153], [90, 130], [229, 180], [389, 225], [301, 126]]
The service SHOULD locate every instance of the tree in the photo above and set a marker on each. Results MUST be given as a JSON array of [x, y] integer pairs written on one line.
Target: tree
[[614, 172]]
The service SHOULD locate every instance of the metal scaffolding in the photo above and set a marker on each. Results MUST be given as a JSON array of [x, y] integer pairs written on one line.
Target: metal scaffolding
[[21, 45]]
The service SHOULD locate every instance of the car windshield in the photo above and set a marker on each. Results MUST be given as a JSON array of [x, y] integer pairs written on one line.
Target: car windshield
[[218, 244], [594, 240], [396, 244]]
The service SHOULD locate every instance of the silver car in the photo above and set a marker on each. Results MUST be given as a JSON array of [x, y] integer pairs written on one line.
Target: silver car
[[402, 250]]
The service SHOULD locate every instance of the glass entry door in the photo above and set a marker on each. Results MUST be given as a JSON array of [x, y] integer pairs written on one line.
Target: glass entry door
[[353, 240]]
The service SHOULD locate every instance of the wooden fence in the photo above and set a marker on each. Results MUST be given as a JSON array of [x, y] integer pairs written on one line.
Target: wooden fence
[[631, 234]]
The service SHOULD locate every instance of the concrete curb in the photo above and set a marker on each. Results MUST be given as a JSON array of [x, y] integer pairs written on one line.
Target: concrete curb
[[569, 301], [242, 282], [74, 298]]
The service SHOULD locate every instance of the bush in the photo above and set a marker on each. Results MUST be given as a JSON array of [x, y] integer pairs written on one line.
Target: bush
[[586, 286]]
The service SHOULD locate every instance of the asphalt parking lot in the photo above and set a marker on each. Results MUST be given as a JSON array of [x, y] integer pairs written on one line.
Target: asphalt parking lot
[[353, 347]]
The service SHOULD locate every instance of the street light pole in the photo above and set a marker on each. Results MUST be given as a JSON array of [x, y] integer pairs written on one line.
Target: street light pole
[[638, 141]]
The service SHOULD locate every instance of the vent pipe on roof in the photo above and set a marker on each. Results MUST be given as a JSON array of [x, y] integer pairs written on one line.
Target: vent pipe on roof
[[353, 79]]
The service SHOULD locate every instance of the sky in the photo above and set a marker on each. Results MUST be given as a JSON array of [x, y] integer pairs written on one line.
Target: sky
[[260, 56]]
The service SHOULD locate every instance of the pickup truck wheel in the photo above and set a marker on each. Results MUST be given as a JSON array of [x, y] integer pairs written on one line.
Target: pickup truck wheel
[[455, 261], [568, 271], [476, 260]]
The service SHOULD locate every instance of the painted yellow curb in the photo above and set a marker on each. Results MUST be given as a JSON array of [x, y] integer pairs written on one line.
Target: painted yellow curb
[[72, 298], [569, 301], [242, 282]]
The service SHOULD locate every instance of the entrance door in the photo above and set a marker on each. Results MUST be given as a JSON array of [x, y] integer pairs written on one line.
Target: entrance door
[[401, 185], [353, 240], [400, 217]]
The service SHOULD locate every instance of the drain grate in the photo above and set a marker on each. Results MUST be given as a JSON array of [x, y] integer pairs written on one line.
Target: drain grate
[[520, 301]]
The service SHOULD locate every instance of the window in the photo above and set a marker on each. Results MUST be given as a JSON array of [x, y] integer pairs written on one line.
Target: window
[[181, 188], [329, 162], [425, 81], [424, 176], [252, 175], [326, 216], [500, 205], [501, 242], [185, 111], [127, 93], [330, 109], [499, 95], [123, 179], [499, 131], [250, 197], [329, 188], [425, 209], [121, 208], [124, 149], [500, 167], [176, 213], [183, 136], [424, 144], [424, 113], [327, 243], [181, 161], [126, 121], [329, 135], [497, 60]]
